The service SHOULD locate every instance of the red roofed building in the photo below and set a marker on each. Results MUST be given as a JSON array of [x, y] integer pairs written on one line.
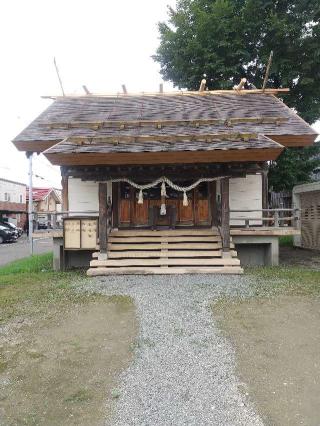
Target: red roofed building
[[44, 200]]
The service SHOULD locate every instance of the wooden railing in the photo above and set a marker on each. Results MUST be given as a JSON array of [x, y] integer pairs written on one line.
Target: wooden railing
[[247, 218], [267, 217]]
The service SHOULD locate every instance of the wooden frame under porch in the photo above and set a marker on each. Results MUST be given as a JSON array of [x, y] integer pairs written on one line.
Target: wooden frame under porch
[[180, 250], [187, 248], [177, 173]]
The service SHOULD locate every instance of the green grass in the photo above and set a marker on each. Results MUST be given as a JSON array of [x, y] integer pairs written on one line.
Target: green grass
[[286, 241], [285, 280], [29, 286], [39, 263]]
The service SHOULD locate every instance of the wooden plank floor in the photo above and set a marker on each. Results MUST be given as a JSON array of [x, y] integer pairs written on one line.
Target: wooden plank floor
[[165, 252]]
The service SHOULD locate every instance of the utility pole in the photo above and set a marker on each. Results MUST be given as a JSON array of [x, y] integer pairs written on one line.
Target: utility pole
[[30, 206]]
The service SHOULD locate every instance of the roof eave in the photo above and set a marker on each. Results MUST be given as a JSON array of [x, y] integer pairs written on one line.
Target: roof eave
[[173, 157]]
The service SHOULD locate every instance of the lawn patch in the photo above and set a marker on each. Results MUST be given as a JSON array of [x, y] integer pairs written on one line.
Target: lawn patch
[[63, 347], [271, 281]]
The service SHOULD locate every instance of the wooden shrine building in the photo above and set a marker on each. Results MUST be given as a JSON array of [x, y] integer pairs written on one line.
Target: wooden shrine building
[[167, 182]]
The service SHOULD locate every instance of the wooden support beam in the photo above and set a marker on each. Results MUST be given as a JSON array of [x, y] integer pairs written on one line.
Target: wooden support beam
[[241, 84], [265, 81], [124, 89], [204, 137], [202, 85], [87, 92], [213, 203], [175, 93], [265, 201], [103, 220], [65, 196], [115, 204], [225, 215], [264, 178], [118, 124]]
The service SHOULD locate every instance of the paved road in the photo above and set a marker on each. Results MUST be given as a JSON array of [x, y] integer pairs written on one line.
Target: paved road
[[20, 249]]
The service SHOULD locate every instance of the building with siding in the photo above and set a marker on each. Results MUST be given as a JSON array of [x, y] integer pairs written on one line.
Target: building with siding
[[306, 198], [13, 202]]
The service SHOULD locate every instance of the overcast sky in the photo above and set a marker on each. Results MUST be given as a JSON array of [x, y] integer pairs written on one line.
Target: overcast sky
[[99, 43]]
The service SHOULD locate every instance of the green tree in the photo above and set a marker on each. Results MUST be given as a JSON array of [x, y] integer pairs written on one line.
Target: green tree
[[230, 39], [293, 166]]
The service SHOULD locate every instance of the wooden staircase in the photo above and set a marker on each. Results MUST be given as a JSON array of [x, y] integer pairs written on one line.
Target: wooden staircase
[[189, 251]]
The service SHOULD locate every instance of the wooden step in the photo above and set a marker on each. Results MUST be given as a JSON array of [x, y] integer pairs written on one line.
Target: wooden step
[[164, 233], [93, 272], [163, 253], [169, 246], [179, 251], [166, 239], [159, 262]]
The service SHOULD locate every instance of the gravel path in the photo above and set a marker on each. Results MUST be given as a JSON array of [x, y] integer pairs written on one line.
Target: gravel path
[[184, 369]]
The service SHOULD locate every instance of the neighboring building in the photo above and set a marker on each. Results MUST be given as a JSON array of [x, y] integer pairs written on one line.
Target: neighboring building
[[13, 202], [193, 161], [306, 198], [45, 200]]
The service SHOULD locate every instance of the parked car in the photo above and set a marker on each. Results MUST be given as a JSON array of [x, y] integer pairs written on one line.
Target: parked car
[[42, 225], [12, 226], [7, 234]]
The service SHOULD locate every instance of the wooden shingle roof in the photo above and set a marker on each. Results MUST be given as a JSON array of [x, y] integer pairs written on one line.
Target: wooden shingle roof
[[157, 116]]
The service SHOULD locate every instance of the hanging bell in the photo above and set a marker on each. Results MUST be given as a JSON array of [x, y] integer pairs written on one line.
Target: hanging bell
[[163, 210], [163, 190], [185, 200], [140, 199]]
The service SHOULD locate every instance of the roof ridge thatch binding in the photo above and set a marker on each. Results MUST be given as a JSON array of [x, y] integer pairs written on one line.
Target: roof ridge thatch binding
[[173, 93], [122, 124], [229, 137]]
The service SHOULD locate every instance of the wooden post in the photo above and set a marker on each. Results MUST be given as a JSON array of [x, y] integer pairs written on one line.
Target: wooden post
[[265, 203], [65, 200], [213, 203], [265, 81], [241, 84], [115, 204], [103, 220], [202, 85], [225, 215]]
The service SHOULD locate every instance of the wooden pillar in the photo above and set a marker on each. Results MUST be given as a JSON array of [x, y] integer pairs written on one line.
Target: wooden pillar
[[213, 203], [265, 201], [103, 220], [115, 204], [225, 215], [65, 196]]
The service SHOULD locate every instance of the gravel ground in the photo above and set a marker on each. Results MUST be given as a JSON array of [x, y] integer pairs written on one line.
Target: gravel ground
[[184, 369]]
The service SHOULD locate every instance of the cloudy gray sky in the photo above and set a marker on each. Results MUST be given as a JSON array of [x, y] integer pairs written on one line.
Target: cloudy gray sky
[[100, 43]]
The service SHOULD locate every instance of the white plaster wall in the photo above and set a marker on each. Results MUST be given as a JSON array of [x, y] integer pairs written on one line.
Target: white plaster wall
[[83, 196], [246, 194]]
